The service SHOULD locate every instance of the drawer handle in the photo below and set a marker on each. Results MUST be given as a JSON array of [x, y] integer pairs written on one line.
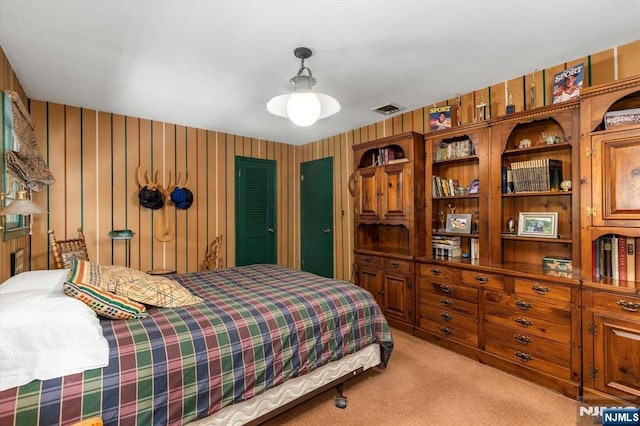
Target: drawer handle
[[481, 280], [367, 260], [523, 356], [524, 322], [540, 290], [395, 264], [445, 316], [629, 306], [524, 305], [381, 292], [524, 340], [446, 331], [436, 271], [446, 288], [446, 302]]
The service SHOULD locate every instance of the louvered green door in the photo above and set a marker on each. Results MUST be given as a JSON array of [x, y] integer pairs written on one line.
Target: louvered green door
[[255, 211], [316, 218]]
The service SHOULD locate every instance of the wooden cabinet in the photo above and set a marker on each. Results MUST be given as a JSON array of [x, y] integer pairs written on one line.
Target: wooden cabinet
[[610, 219], [611, 335], [390, 281], [537, 150], [457, 183], [388, 187]]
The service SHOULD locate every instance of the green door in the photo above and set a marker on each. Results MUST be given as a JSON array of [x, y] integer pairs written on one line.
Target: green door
[[316, 221], [255, 211]]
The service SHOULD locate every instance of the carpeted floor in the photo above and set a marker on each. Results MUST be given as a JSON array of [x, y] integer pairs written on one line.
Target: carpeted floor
[[427, 385]]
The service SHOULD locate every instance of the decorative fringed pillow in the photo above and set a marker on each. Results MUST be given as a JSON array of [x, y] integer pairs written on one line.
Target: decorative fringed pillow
[[104, 303], [150, 289]]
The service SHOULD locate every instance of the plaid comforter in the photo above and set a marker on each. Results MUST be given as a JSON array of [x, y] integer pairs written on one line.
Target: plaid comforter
[[259, 326]]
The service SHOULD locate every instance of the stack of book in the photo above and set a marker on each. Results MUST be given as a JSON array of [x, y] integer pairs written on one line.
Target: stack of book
[[614, 256], [446, 246], [536, 175], [456, 149], [443, 187]]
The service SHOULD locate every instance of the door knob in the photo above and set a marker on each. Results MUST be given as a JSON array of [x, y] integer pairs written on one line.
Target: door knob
[[326, 230], [271, 230]]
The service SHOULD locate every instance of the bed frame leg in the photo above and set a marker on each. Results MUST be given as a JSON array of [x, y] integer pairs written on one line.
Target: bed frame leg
[[341, 400]]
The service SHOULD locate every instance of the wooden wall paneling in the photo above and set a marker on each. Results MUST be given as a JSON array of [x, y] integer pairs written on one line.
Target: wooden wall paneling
[[200, 202], [349, 228], [221, 194], [146, 215], [281, 203], [57, 203], [230, 195], [104, 215], [289, 152], [158, 165], [119, 196], [397, 123], [467, 108], [548, 87], [247, 146], [170, 166], [602, 67], [417, 120], [39, 240], [132, 146], [381, 129], [336, 231], [629, 60], [73, 170], [295, 206], [496, 102], [180, 215], [89, 160], [211, 191], [192, 213]]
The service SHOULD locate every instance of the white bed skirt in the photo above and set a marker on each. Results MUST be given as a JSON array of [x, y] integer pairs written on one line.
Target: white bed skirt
[[244, 412]]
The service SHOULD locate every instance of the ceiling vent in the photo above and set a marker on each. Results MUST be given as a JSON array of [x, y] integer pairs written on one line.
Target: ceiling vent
[[388, 109]]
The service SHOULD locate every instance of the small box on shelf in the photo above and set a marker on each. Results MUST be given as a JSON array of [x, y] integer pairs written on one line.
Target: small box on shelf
[[556, 263]]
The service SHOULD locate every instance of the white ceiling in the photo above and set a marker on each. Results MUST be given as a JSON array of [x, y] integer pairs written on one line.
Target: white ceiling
[[214, 64]]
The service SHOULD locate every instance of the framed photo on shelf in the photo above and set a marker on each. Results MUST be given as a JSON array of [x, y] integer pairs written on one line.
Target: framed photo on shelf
[[538, 224], [474, 187], [460, 223]]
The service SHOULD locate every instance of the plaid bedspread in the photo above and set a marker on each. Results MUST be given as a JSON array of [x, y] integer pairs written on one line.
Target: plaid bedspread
[[259, 326]]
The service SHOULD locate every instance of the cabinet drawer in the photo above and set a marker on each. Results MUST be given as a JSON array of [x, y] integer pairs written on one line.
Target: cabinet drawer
[[437, 271], [619, 303], [557, 331], [551, 350], [460, 334], [449, 304], [456, 291], [525, 357], [482, 279], [402, 266], [450, 319], [363, 259], [543, 289], [534, 307]]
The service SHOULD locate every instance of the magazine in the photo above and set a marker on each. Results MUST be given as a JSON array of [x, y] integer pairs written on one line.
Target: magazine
[[568, 83], [440, 117]]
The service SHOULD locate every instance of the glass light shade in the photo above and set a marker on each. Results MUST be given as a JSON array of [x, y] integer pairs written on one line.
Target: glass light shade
[[21, 205], [303, 108]]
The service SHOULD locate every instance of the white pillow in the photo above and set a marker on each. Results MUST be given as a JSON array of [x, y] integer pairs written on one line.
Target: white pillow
[[44, 333]]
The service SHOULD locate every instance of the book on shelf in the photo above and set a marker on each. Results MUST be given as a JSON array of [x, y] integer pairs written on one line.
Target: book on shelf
[[541, 175], [454, 149], [440, 117], [568, 83], [614, 256], [631, 259], [507, 180], [474, 248], [447, 252], [387, 156]]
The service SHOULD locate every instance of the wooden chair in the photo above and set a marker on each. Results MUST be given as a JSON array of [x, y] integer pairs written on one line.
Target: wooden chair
[[66, 250]]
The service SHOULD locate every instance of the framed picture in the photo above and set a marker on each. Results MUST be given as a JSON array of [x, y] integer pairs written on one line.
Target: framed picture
[[17, 262], [538, 224], [460, 223], [474, 187]]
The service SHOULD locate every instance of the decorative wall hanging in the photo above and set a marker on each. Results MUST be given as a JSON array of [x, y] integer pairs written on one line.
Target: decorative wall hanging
[[153, 195], [212, 258]]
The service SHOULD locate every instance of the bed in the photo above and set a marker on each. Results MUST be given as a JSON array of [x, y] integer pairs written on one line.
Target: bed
[[263, 337]]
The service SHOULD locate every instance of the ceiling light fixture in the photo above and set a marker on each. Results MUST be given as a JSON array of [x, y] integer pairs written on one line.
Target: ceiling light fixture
[[303, 106]]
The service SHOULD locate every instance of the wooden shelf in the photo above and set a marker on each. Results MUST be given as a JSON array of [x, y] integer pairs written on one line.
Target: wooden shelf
[[515, 237], [537, 148], [536, 194]]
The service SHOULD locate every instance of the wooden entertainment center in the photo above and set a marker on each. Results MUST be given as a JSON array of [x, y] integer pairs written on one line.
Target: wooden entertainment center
[[528, 291]]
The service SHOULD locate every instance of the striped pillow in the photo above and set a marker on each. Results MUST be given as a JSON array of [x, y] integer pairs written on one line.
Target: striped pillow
[[86, 272], [104, 303]]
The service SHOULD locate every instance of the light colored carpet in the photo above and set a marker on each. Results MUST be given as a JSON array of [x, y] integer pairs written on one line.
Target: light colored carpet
[[428, 385]]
